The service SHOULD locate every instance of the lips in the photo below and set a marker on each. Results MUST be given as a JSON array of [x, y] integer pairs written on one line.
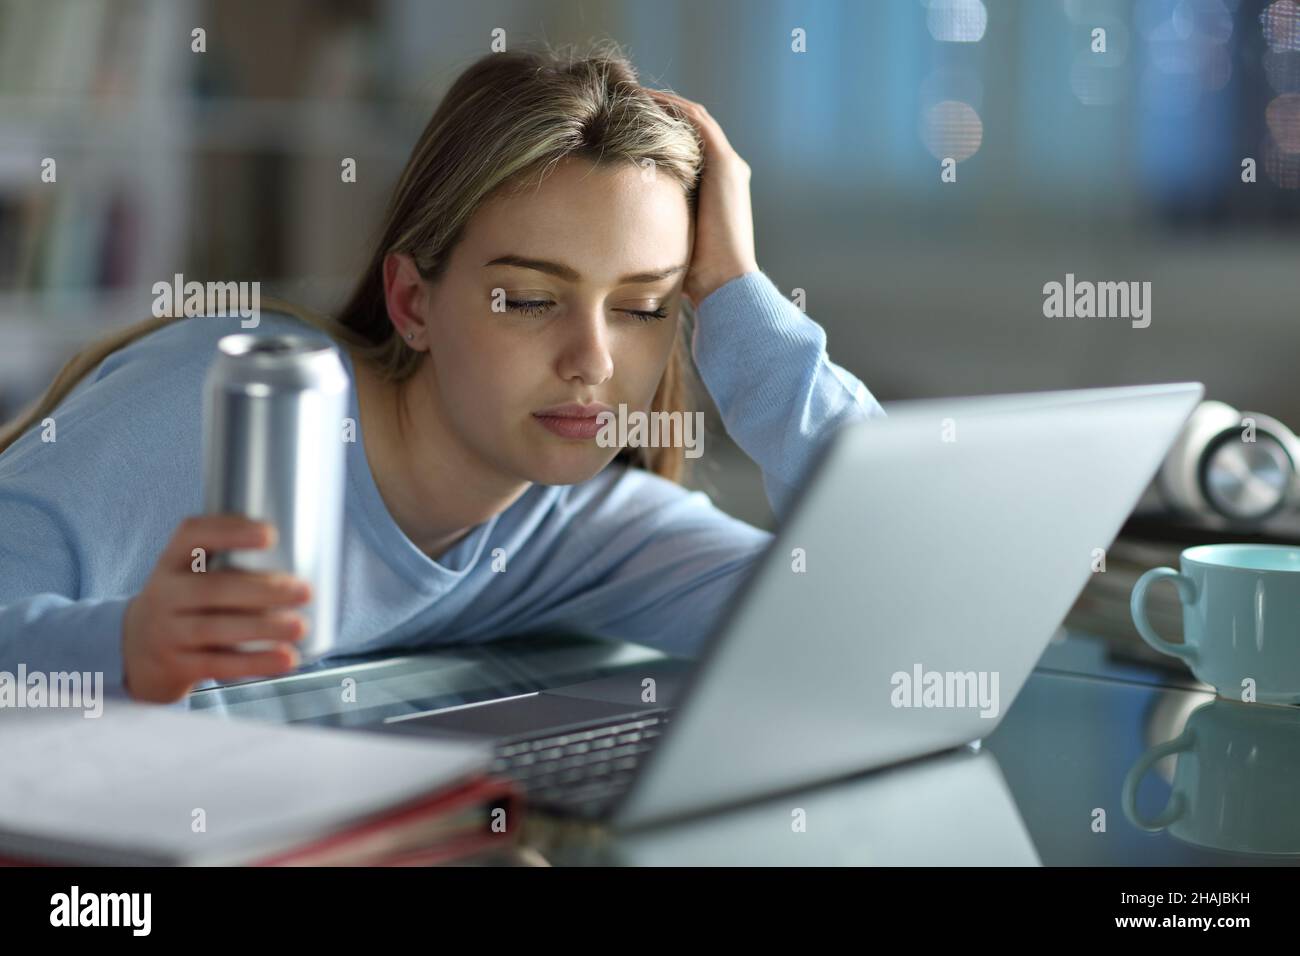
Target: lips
[[570, 427], [572, 420], [574, 410]]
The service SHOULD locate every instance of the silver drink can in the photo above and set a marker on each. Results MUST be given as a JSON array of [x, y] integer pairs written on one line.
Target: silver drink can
[[273, 413]]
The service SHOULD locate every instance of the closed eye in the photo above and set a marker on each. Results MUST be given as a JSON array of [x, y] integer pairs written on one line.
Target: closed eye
[[653, 316], [529, 306], [542, 306]]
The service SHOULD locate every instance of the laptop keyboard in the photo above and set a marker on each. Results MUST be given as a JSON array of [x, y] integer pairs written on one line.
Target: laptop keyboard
[[580, 771]]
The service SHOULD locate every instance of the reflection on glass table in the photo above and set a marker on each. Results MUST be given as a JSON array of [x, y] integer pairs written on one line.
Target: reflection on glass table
[[1115, 760]]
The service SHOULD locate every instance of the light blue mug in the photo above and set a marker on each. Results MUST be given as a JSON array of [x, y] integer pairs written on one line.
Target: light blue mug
[[1241, 618]]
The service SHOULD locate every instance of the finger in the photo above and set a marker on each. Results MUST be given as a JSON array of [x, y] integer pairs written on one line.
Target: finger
[[689, 106], [669, 94], [235, 590], [710, 129], [226, 665], [216, 533], [199, 632]]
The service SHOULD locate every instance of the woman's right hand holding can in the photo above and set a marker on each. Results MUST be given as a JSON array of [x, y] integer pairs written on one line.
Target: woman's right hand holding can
[[185, 626]]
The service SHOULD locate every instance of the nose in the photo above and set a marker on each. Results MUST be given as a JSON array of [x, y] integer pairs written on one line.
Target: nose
[[585, 354]]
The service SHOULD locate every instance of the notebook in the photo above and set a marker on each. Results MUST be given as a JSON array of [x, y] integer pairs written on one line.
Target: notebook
[[148, 785]]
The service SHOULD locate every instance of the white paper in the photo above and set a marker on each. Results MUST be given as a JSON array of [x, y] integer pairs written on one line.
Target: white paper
[[134, 778]]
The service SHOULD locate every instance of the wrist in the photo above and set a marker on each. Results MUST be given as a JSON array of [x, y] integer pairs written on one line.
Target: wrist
[[718, 278]]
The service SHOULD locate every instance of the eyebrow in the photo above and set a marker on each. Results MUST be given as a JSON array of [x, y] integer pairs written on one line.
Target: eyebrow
[[571, 275]]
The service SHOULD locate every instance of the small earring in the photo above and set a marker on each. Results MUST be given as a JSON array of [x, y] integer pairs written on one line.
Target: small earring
[[410, 335]]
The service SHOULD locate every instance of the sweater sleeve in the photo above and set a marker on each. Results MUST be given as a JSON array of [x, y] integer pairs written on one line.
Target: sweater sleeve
[[84, 515], [43, 626], [658, 563], [765, 365]]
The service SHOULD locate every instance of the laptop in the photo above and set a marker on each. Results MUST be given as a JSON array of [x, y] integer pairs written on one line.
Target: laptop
[[920, 572]]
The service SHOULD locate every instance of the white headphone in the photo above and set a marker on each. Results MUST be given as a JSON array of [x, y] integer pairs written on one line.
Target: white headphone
[[1243, 466]]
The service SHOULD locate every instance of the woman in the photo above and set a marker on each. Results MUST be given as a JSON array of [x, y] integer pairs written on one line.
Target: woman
[[600, 209]]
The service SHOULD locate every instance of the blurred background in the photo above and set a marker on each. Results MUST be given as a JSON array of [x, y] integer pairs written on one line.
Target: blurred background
[[1117, 165]]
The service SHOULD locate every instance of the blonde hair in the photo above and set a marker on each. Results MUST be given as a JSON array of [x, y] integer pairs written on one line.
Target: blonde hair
[[507, 117]]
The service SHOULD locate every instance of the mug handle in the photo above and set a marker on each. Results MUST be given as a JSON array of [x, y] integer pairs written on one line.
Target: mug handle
[[1176, 804], [1186, 594]]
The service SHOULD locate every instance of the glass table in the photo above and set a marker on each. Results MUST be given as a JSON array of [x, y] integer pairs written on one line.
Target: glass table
[[1108, 756]]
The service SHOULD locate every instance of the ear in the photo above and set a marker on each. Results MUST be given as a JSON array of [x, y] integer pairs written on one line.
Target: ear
[[405, 295]]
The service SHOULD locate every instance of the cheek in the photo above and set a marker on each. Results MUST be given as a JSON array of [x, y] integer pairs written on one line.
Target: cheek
[[479, 369], [490, 377], [661, 341], [645, 356]]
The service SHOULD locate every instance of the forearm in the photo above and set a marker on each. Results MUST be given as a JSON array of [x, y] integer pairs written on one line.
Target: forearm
[[765, 364]]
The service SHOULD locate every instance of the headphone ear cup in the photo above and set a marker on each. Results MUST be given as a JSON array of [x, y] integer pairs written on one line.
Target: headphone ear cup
[[1178, 480], [1267, 424], [1248, 473]]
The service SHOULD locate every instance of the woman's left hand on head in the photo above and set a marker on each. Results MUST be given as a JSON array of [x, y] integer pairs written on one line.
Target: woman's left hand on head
[[724, 217]]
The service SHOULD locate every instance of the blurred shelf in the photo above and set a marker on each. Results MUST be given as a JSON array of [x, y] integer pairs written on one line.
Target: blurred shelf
[[227, 124], [39, 333], [169, 162], [71, 317], [310, 126]]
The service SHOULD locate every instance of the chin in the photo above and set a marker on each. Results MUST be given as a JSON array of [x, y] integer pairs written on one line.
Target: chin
[[569, 466]]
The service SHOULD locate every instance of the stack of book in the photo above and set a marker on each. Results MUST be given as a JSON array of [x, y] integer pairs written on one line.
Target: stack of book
[[145, 785]]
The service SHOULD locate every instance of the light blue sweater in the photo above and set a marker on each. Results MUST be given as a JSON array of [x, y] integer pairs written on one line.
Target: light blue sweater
[[625, 555]]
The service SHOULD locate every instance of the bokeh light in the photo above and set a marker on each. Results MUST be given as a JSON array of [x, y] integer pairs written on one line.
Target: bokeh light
[[1282, 67], [1281, 23], [957, 21], [1094, 76], [1283, 118], [1206, 20], [1187, 51], [952, 129]]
